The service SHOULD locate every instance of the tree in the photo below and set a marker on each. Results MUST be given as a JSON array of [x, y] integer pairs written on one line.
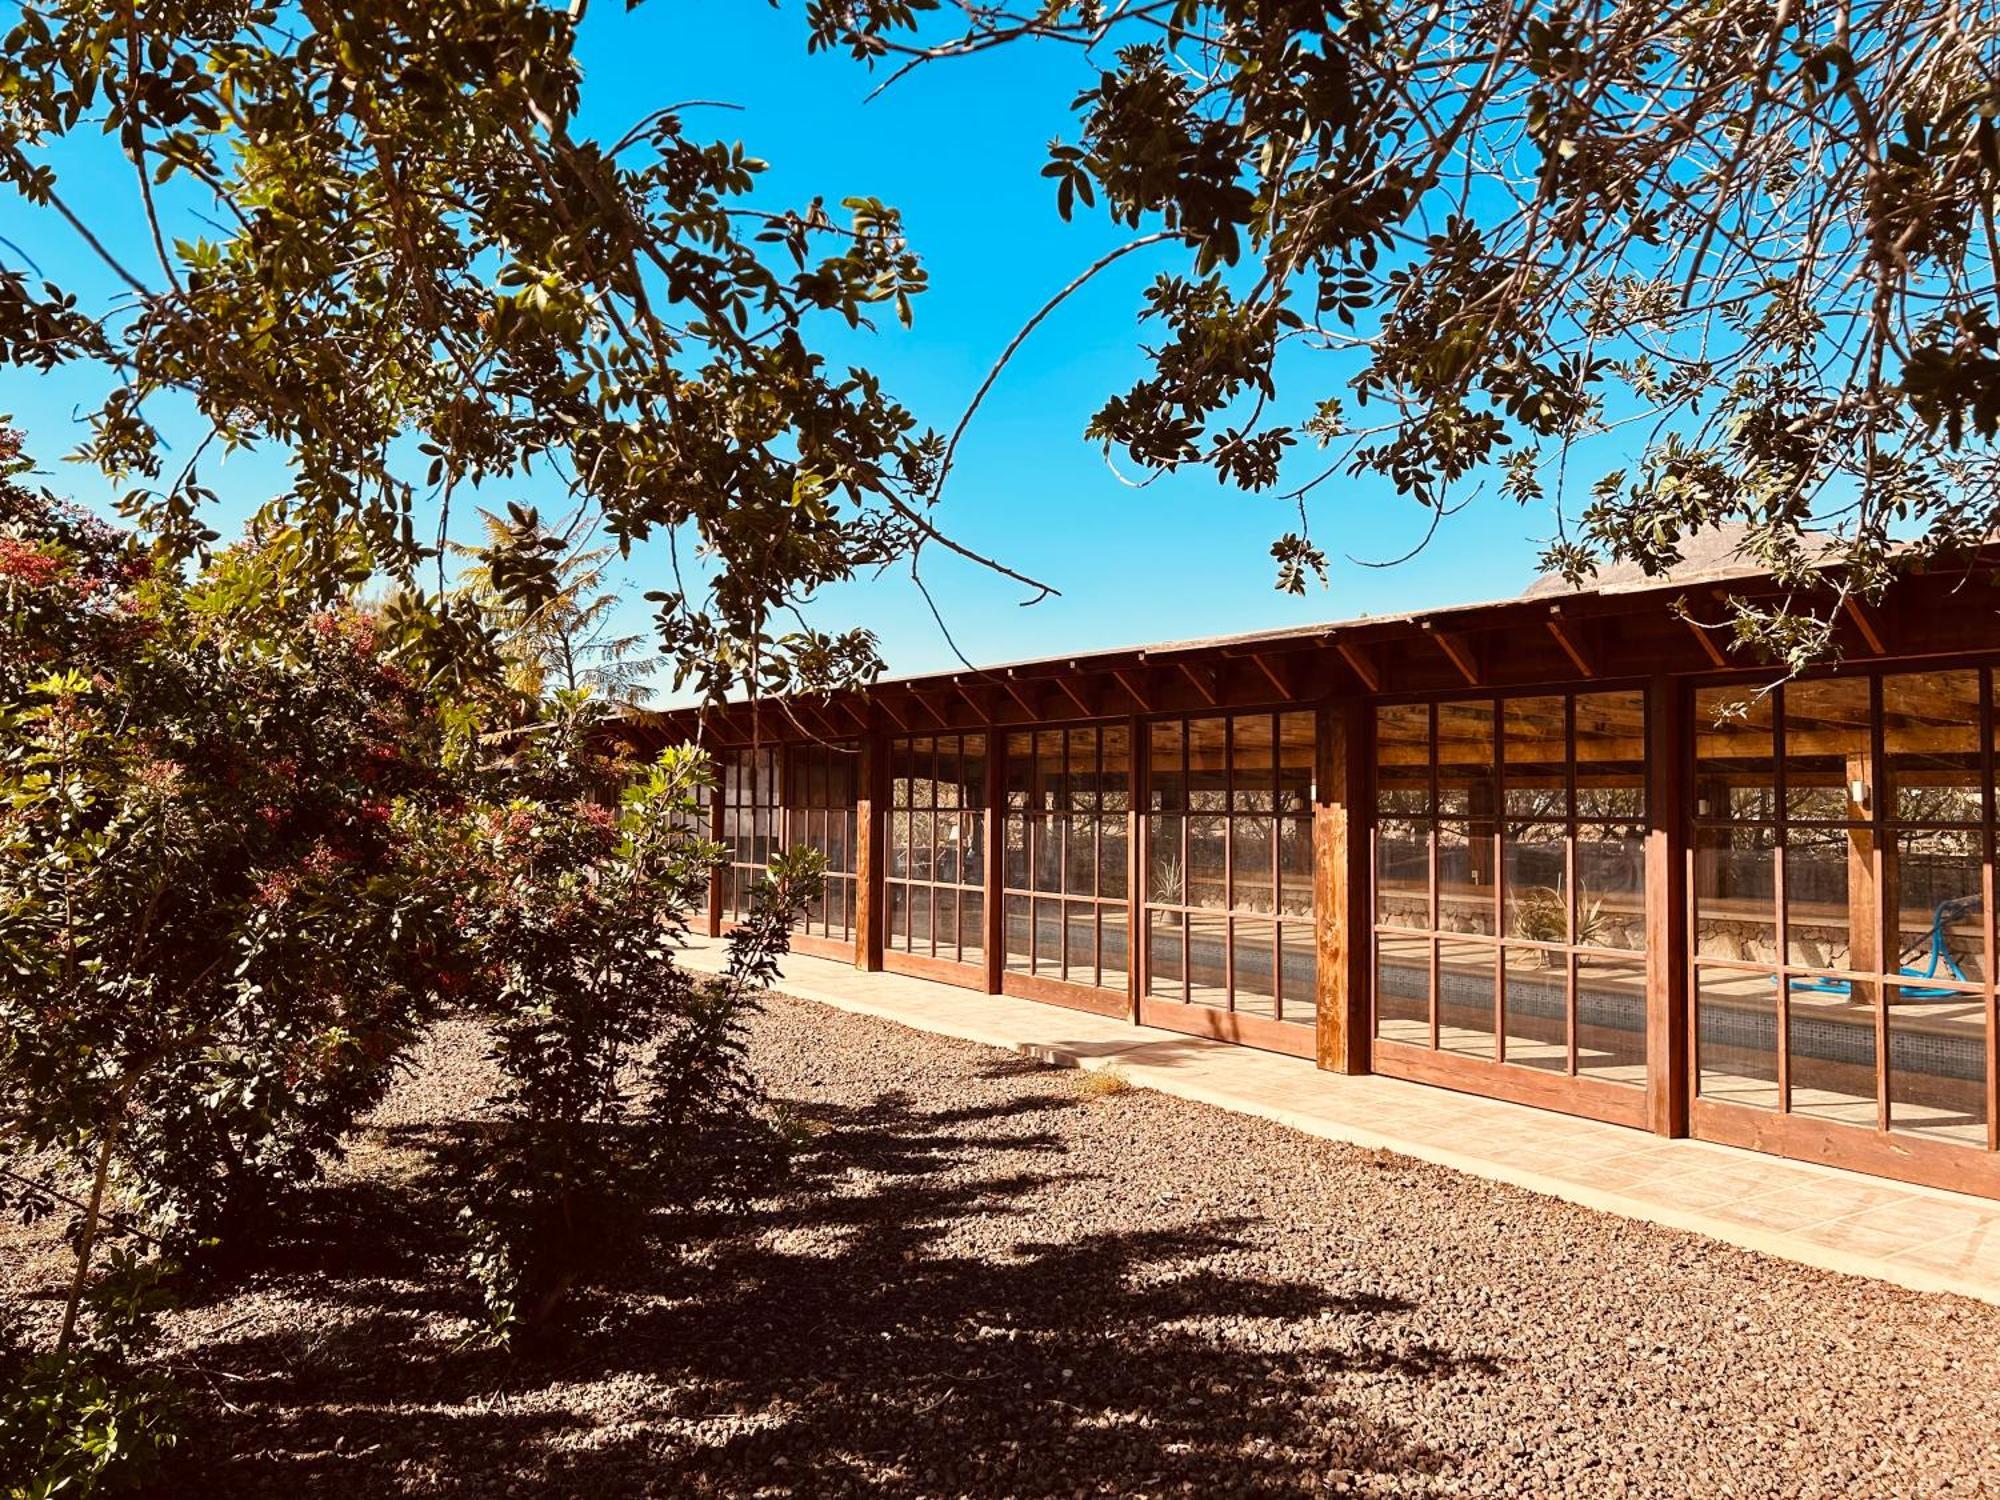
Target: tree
[[1754, 242], [569, 641], [626, 1089], [419, 283]]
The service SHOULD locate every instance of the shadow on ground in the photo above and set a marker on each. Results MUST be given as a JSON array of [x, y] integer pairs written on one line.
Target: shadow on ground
[[914, 1317]]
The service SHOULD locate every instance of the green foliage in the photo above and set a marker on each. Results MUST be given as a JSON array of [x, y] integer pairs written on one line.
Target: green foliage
[[417, 282], [220, 917], [626, 1090], [88, 1418], [553, 615], [1757, 243]]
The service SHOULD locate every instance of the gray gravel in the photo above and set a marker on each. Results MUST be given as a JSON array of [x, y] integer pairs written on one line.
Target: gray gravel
[[986, 1281]]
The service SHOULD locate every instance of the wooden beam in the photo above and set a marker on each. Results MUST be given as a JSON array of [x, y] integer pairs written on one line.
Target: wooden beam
[[1568, 638], [897, 719], [1866, 622], [978, 703], [1204, 683], [944, 720], [1340, 887], [1667, 1081], [1028, 706], [1125, 681], [1458, 649], [1356, 656], [872, 783], [1070, 692], [1272, 676], [1709, 648]]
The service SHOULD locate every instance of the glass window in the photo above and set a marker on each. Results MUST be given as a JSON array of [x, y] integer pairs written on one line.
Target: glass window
[[1735, 764], [1827, 740]]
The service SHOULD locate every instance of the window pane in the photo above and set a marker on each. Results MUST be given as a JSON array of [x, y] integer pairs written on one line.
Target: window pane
[[920, 918], [1051, 784], [1254, 965], [1019, 926], [1930, 740], [1940, 929], [1113, 960], [1466, 760], [1403, 873], [1167, 786], [1207, 873], [945, 905], [1166, 877], [972, 848], [1611, 1019], [1081, 762], [972, 768], [1534, 1008], [1115, 784], [1937, 1066], [1826, 747], [1403, 989], [1735, 894], [1113, 843], [898, 935], [1297, 747], [1020, 770], [1830, 1038], [948, 790], [1048, 936], [1208, 969], [1208, 765], [1165, 964], [1465, 997], [1080, 878], [1403, 758], [1611, 755], [1299, 980], [1537, 879], [1016, 854], [1251, 856], [1253, 762], [1536, 758], [1048, 835], [1737, 1037], [971, 926], [1610, 887], [1465, 877], [1295, 867], [1080, 942], [1829, 900], [1734, 766]]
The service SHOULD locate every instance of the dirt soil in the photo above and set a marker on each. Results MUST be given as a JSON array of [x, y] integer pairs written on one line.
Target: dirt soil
[[988, 1279]]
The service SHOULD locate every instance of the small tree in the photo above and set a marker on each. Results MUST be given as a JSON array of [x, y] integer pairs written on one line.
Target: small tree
[[626, 1089], [559, 637]]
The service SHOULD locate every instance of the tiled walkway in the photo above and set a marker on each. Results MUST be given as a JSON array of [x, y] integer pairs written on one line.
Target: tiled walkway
[[1842, 1221]]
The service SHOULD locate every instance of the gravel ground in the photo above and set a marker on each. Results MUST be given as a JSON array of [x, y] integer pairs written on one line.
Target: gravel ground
[[989, 1280]]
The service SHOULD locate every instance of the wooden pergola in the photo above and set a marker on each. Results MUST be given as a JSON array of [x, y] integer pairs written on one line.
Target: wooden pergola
[[1115, 830]]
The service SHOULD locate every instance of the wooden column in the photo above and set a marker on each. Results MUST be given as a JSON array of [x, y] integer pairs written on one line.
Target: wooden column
[[1340, 885], [1667, 1078], [722, 871], [1136, 831], [994, 908], [871, 782]]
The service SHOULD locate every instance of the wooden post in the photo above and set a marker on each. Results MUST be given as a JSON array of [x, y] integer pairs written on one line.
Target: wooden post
[[1137, 829], [994, 933], [1340, 885], [1667, 1079], [871, 781], [725, 870]]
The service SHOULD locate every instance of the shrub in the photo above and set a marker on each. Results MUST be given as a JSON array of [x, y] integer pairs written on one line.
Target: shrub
[[626, 1090]]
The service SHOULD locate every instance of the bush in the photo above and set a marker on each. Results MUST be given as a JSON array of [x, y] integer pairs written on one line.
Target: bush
[[88, 1418], [626, 1087]]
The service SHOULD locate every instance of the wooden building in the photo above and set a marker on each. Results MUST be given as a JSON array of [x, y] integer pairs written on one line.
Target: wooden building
[[1560, 850]]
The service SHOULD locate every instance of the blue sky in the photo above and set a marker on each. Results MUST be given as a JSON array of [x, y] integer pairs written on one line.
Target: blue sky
[[958, 147]]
